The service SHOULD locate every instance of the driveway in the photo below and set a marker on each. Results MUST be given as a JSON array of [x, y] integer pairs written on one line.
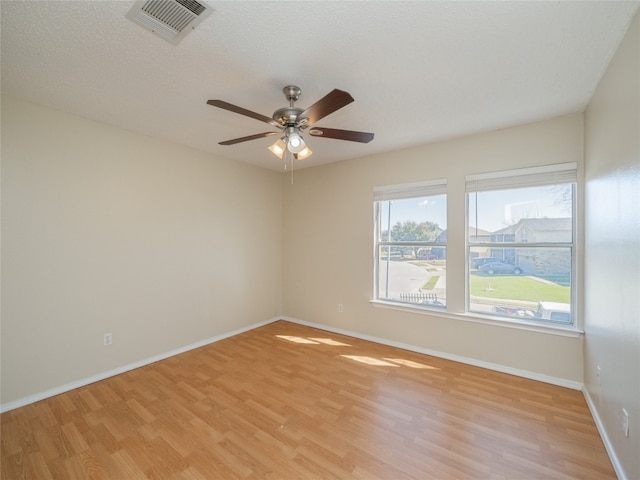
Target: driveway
[[404, 277]]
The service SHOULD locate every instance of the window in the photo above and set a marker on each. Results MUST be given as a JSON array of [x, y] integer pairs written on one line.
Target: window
[[521, 243], [411, 244]]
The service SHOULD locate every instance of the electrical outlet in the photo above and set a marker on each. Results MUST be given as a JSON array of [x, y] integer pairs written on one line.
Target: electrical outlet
[[598, 372], [625, 422], [108, 339], [340, 308]]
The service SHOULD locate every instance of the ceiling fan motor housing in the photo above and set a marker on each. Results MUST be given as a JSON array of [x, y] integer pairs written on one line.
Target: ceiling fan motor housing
[[287, 116]]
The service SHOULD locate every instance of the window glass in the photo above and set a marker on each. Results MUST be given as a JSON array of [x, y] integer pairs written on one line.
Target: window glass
[[521, 252], [411, 250], [532, 214]]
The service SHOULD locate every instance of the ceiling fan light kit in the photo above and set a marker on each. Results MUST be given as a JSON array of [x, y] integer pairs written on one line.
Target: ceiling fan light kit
[[293, 120], [295, 143], [302, 154], [278, 148]]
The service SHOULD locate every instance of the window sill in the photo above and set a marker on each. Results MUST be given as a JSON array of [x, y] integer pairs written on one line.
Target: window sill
[[551, 329]]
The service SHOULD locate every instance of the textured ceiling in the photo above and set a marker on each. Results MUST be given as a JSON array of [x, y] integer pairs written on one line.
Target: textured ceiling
[[419, 71]]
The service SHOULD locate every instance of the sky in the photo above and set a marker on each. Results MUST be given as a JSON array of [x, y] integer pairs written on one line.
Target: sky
[[496, 209]]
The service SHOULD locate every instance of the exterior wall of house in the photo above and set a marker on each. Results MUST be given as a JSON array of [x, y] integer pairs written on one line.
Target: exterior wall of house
[[105, 231], [538, 261], [612, 252], [544, 261], [328, 246]]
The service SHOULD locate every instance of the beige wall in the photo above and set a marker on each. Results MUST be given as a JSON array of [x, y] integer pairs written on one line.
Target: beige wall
[[328, 253], [612, 257], [104, 230]]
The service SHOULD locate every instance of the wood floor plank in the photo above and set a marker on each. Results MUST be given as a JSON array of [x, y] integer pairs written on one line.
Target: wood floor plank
[[287, 402]]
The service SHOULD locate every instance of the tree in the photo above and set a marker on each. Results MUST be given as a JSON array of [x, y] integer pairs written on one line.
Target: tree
[[411, 231], [563, 196]]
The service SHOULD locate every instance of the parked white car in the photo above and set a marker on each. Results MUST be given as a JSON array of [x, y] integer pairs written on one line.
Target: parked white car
[[554, 311]]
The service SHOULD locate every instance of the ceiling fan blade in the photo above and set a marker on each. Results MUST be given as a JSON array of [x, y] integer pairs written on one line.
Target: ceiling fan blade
[[334, 100], [246, 139], [243, 111], [362, 137]]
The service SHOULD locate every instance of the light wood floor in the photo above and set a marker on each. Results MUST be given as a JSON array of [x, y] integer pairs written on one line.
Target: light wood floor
[[290, 402]]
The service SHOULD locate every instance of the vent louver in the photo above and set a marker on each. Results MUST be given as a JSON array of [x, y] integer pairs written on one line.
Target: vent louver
[[169, 19]]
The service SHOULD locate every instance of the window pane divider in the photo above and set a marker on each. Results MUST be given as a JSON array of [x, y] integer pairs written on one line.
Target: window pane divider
[[411, 244], [521, 245]]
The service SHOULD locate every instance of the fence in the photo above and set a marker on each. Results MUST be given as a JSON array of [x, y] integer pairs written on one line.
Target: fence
[[419, 297]]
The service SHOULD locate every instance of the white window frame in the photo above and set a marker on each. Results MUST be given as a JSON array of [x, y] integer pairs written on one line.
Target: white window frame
[[398, 192], [565, 173]]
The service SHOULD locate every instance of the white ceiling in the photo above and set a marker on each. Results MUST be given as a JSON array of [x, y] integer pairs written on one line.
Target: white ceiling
[[419, 71]]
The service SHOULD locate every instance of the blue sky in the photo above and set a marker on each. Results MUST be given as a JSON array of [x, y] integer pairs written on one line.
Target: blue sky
[[496, 209]]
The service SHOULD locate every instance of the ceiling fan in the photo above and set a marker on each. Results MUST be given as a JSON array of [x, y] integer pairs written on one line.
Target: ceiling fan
[[292, 121]]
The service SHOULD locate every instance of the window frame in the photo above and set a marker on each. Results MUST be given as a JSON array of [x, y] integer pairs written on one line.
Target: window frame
[[458, 261], [548, 175], [402, 192]]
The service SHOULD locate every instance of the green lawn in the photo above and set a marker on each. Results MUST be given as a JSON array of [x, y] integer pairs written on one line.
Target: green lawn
[[512, 287], [431, 282]]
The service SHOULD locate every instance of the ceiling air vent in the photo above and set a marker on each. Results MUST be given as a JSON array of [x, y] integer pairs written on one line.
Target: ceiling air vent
[[169, 19]]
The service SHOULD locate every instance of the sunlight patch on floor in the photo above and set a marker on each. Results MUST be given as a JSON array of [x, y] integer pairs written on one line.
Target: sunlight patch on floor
[[297, 339], [370, 361], [380, 362], [328, 341], [411, 363], [313, 340]]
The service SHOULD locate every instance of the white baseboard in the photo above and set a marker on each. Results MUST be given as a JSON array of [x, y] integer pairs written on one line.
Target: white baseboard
[[562, 382], [21, 402], [603, 435]]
